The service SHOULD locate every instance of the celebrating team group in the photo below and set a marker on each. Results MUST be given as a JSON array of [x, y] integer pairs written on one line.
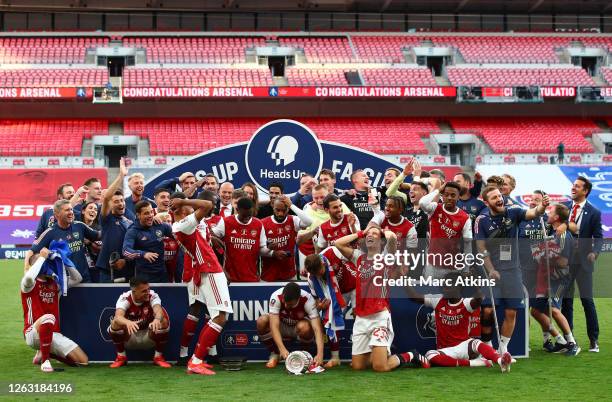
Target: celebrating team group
[[208, 235]]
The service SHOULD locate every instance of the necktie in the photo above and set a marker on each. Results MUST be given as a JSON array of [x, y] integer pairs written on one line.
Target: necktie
[[574, 213]]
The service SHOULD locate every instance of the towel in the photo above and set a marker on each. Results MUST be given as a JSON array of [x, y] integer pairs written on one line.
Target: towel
[[55, 265], [333, 319]]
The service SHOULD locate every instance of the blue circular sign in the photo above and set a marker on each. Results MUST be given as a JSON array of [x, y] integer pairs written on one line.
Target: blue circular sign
[[281, 151]]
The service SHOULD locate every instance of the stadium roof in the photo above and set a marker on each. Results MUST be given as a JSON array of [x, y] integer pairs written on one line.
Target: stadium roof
[[376, 6]]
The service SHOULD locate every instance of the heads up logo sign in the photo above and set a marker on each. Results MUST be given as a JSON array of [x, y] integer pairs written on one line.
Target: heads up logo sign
[[281, 151]]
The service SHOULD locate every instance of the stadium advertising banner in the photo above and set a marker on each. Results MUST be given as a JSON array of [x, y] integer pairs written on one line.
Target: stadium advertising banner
[[88, 309], [45, 93], [288, 92], [33, 191], [280, 150], [558, 184]]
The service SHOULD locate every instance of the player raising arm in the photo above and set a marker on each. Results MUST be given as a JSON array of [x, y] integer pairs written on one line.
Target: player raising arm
[[373, 330], [208, 285], [40, 293]]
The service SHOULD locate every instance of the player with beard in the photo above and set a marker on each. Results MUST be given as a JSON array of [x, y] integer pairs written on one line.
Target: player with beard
[[281, 231], [357, 198], [338, 225], [137, 187], [455, 347], [373, 330], [275, 190], [207, 285], [211, 183], [245, 239], [496, 238], [114, 225], [448, 225], [316, 210]]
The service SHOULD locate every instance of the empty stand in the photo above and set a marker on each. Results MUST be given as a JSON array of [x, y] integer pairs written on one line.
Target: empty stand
[[47, 137], [322, 49], [398, 76], [65, 77], [23, 50], [188, 137], [571, 76], [195, 50], [607, 74], [197, 77], [302, 77], [506, 135], [387, 49]]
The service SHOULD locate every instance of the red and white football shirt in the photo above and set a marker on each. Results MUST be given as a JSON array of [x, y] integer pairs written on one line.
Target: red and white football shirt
[[280, 236], [452, 320], [305, 309], [446, 231], [242, 244], [345, 270], [141, 313], [330, 232], [196, 245], [370, 298], [42, 299], [404, 230]]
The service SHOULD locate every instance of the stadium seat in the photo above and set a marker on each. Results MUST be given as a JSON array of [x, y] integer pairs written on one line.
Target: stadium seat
[[197, 77], [398, 77], [34, 50], [59, 77], [188, 137], [570, 76], [321, 49], [537, 135], [213, 50], [60, 137]]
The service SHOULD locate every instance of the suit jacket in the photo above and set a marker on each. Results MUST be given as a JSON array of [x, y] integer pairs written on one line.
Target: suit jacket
[[590, 236]]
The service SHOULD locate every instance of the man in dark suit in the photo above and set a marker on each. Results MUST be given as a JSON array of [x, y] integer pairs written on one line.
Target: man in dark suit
[[585, 225]]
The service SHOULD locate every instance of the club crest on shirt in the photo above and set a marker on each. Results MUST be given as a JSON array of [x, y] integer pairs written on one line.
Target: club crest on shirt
[[158, 233], [287, 228], [455, 224], [253, 232], [75, 235], [344, 229]]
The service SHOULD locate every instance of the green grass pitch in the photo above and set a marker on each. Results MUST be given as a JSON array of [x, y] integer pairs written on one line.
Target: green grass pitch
[[541, 377]]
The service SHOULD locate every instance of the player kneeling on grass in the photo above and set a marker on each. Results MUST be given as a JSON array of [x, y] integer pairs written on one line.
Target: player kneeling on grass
[[292, 314], [373, 330], [452, 314], [140, 322], [41, 288], [329, 300]]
